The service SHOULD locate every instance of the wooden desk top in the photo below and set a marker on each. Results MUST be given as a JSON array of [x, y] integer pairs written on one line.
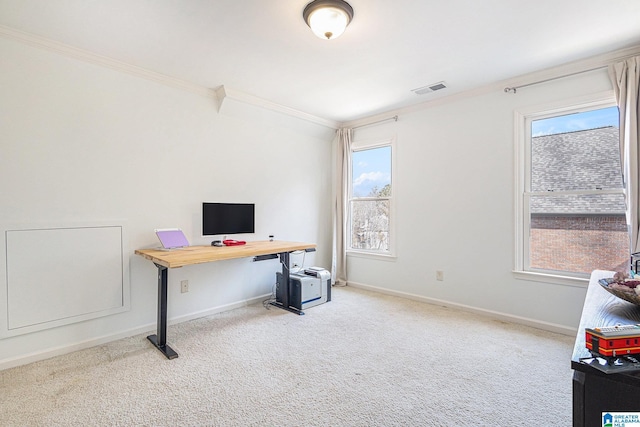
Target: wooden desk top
[[201, 254]]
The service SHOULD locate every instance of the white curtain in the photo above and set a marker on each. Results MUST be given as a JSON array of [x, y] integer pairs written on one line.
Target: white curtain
[[625, 76], [342, 142]]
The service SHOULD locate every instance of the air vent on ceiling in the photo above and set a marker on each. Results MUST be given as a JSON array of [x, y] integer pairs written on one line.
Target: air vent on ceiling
[[430, 88]]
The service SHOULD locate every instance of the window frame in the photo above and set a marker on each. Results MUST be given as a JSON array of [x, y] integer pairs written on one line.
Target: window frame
[[522, 136], [364, 145]]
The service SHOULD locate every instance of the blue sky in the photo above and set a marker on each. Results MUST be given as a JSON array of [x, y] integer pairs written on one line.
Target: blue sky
[[371, 168], [578, 121]]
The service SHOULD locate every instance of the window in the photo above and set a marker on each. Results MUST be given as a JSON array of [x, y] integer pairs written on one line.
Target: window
[[571, 209], [371, 199]]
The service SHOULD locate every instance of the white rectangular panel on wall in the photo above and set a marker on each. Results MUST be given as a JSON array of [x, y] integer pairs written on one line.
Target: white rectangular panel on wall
[[57, 276]]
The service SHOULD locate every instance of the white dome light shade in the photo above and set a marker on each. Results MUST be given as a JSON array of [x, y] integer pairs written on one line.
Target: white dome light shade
[[328, 18], [328, 22]]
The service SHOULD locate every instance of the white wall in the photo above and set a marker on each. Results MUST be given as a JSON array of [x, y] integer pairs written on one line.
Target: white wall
[[87, 143], [455, 207], [81, 142]]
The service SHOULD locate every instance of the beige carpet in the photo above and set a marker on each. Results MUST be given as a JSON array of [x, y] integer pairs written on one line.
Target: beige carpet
[[364, 359]]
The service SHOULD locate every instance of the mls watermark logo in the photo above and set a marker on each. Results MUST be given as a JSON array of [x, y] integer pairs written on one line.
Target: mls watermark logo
[[621, 419]]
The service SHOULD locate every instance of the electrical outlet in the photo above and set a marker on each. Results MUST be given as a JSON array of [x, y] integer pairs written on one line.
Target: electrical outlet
[[184, 286], [439, 275]]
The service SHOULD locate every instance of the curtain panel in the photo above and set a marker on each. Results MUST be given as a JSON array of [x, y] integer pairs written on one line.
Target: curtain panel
[[341, 205], [625, 77]]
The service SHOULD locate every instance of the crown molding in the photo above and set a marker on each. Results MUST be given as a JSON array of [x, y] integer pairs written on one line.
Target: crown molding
[[225, 93], [221, 93], [93, 58], [234, 103], [539, 76], [575, 67]]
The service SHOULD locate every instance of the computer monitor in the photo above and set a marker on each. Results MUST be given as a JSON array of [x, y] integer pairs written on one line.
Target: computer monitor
[[227, 218]]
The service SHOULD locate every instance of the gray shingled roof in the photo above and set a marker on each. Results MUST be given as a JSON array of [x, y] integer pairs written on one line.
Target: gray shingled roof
[[582, 160]]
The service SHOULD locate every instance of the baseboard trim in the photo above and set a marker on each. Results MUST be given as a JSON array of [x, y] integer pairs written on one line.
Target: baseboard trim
[[546, 326], [148, 328], [215, 310], [58, 351]]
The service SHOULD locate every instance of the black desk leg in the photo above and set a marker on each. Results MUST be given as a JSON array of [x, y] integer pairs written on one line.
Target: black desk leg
[[284, 260], [284, 304], [160, 340]]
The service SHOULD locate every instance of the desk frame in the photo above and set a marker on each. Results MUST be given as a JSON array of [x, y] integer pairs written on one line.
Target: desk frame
[[203, 254]]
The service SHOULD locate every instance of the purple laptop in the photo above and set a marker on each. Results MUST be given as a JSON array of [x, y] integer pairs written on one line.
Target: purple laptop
[[172, 238]]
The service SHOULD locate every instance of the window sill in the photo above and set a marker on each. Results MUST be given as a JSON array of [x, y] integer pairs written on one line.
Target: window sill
[[555, 279], [372, 255]]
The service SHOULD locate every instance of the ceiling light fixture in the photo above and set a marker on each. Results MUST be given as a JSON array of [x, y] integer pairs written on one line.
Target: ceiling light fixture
[[328, 18]]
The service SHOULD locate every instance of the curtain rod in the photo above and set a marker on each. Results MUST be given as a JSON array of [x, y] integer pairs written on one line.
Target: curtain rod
[[515, 88], [394, 118]]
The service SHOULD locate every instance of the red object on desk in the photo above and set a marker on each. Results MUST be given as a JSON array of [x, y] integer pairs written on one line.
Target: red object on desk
[[234, 242]]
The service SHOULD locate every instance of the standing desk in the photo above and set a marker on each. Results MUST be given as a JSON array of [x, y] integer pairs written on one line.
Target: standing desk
[[176, 258]]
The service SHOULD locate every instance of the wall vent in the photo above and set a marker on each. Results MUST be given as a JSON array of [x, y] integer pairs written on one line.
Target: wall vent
[[430, 88]]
